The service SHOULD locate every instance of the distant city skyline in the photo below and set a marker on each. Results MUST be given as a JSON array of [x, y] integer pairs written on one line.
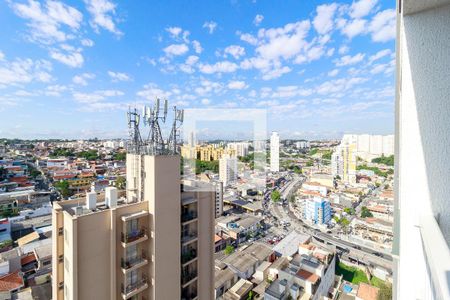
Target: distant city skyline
[[320, 69]]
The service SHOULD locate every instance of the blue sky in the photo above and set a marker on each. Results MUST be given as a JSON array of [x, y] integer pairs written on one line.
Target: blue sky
[[71, 69]]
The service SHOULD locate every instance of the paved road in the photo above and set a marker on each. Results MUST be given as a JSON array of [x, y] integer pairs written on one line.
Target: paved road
[[356, 252]]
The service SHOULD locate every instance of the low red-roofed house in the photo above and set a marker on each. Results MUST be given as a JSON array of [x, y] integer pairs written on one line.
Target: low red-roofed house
[[11, 282]]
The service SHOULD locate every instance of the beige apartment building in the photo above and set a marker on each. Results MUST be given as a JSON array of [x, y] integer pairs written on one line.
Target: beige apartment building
[[155, 243]]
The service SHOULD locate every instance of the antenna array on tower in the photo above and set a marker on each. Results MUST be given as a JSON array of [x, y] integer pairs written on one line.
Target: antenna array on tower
[[152, 116]]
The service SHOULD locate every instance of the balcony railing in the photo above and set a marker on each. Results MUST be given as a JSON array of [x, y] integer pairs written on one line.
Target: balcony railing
[[134, 288], [127, 264], [188, 237], [437, 256], [188, 276], [188, 255], [133, 236], [188, 216]]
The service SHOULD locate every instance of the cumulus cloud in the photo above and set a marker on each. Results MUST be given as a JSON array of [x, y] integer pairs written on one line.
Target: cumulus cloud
[[382, 27], [362, 8], [197, 47], [174, 31], [118, 76], [379, 54], [246, 37], [211, 26], [176, 49], [46, 21], [349, 60], [68, 55], [258, 19], [87, 42], [235, 51], [333, 73], [102, 15], [218, 67], [82, 79], [323, 21], [237, 85], [354, 28], [151, 90], [22, 71]]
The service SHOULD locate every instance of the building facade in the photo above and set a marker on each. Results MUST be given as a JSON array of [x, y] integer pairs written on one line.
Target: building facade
[[274, 152], [154, 243], [228, 170]]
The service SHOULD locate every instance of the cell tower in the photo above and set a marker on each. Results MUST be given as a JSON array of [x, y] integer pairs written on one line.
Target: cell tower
[[155, 143]]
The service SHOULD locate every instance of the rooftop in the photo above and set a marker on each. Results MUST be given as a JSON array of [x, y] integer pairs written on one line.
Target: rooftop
[[308, 276], [367, 292], [289, 245]]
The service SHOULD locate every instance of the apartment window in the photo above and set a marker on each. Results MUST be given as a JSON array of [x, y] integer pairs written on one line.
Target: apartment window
[[60, 231], [131, 252], [61, 258], [132, 278], [132, 226], [61, 285]]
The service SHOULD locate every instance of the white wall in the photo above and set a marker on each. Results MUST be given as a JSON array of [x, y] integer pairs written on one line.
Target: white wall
[[423, 148]]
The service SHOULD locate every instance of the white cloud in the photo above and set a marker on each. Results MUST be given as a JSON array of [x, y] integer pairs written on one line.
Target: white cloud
[[45, 22], [246, 37], [87, 42], [151, 90], [211, 26], [206, 101], [191, 60], [343, 49], [174, 31], [354, 28], [102, 12], [118, 76], [176, 49], [71, 57], [382, 27], [379, 54], [333, 73], [258, 19], [362, 8], [82, 79], [235, 51], [237, 85], [218, 67], [2, 56], [350, 60], [55, 90], [22, 71], [197, 47], [323, 22], [275, 73], [96, 96]]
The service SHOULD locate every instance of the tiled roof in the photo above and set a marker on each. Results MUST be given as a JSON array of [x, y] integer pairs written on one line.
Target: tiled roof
[[27, 259], [308, 276], [10, 282]]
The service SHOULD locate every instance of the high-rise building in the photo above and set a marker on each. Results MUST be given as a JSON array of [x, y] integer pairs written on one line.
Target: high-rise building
[[275, 152], [228, 170], [241, 149], [343, 161], [317, 210], [154, 243], [370, 146]]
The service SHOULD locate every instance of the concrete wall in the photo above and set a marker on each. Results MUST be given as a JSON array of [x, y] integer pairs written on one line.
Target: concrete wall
[[423, 139]]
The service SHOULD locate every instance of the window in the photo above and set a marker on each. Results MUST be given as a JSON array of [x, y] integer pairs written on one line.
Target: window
[[60, 231], [61, 258], [61, 285], [46, 263]]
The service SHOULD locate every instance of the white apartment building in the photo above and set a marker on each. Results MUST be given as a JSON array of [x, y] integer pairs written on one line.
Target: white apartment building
[[240, 148], [371, 146], [343, 160], [227, 170], [422, 165], [274, 152]]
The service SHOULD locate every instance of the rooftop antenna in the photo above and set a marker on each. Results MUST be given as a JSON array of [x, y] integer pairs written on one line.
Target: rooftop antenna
[[175, 132], [133, 130]]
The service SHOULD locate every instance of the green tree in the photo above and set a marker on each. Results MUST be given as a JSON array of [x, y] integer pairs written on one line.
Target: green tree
[[313, 151], [327, 154], [202, 166], [365, 212], [250, 296], [349, 210], [275, 196], [63, 187], [120, 156], [120, 182], [385, 160], [229, 249]]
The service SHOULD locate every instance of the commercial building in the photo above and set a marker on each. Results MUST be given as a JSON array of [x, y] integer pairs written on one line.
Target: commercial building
[[274, 152], [155, 243], [228, 170]]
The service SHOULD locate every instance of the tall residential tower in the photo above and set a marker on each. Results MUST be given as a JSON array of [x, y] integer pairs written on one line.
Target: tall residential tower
[[274, 152]]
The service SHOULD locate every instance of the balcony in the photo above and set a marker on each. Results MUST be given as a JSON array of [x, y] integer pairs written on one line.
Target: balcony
[[188, 237], [188, 276], [188, 216], [188, 255], [134, 237], [128, 265], [135, 288], [189, 294], [437, 258]]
